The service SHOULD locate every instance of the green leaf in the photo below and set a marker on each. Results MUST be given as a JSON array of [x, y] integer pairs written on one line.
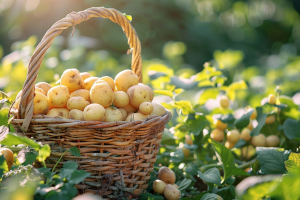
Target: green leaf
[[184, 184], [3, 165], [75, 151], [243, 121], [240, 143], [4, 98], [71, 189], [212, 175], [192, 168], [78, 176], [149, 196], [288, 101], [291, 129], [70, 165], [198, 124], [209, 196], [66, 173], [30, 157], [210, 93], [164, 92], [14, 139], [177, 156], [272, 160], [44, 153], [226, 193], [225, 156], [185, 106], [228, 119], [168, 138], [261, 118], [293, 163]]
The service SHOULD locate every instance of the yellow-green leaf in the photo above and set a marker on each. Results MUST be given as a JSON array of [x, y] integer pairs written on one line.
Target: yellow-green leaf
[[164, 92]]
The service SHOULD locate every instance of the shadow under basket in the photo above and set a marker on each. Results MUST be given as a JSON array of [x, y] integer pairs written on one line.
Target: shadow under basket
[[118, 155]]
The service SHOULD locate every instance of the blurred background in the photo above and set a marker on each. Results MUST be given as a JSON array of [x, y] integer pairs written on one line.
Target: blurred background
[[253, 40]]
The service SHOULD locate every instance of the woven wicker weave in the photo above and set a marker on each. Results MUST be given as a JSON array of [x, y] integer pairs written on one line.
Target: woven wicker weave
[[119, 155]]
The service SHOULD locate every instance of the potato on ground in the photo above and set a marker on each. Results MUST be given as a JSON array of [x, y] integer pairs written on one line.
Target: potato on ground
[[81, 93], [44, 86], [40, 91], [110, 81], [8, 155], [158, 109], [136, 117], [112, 115], [151, 93], [40, 104], [145, 108], [85, 75], [137, 95], [72, 80], [121, 99], [166, 175], [159, 186], [89, 82], [58, 96], [123, 112], [102, 94], [171, 192], [94, 112], [77, 103], [76, 114], [59, 112], [129, 108], [175, 185], [125, 79]]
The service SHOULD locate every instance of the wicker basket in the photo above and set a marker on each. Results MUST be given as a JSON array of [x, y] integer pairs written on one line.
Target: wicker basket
[[118, 155]]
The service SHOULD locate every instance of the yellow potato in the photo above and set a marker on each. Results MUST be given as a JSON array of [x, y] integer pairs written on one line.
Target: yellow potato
[[245, 134], [102, 94], [72, 80], [40, 104], [137, 95], [217, 135], [121, 99], [44, 86], [81, 93], [100, 81], [76, 114], [39, 90], [129, 108], [175, 185], [85, 75], [219, 124], [8, 155], [112, 115], [94, 112], [171, 193], [145, 108], [159, 186], [270, 119], [58, 96], [76, 70], [158, 109], [109, 80], [88, 83], [166, 175], [125, 79], [150, 91], [188, 140], [272, 141], [233, 136], [136, 117], [77, 103], [259, 140], [59, 112], [123, 112], [229, 145]]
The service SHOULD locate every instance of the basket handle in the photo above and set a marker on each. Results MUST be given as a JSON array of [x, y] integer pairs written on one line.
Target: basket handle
[[26, 104]]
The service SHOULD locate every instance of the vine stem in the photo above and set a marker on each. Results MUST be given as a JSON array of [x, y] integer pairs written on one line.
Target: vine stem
[[242, 166], [58, 160]]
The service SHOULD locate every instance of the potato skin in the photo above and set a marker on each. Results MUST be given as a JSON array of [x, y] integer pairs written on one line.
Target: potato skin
[[94, 112], [129, 108], [272, 141], [121, 99], [112, 115], [8, 155], [145, 108], [150, 91], [89, 82], [76, 114], [158, 109], [72, 80], [259, 140], [109, 81], [85, 75], [136, 117], [40, 104], [137, 95], [166, 175], [77, 103], [217, 135], [40, 91], [159, 186], [59, 112], [81, 93], [123, 112], [44, 86], [58, 96], [125, 79], [102, 94], [171, 192]]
